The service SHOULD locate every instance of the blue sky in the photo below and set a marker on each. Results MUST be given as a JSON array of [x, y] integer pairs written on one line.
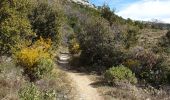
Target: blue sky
[[114, 4], [146, 10]]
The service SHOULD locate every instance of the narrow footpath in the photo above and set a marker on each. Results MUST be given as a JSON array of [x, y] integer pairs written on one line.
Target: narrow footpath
[[81, 81]]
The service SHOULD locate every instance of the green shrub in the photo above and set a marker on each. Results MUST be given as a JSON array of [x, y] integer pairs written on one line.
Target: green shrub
[[15, 28], [96, 40], [30, 92], [130, 38], [43, 67], [46, 21], [120, 74], [49, 95], [107, 14]]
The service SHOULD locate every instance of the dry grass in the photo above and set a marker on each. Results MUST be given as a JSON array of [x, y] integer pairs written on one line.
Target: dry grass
[[150, 37], [12, 80], [121, 91], [59, 82]]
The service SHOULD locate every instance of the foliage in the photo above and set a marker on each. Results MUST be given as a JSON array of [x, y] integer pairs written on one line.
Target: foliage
[[46, 21], [120, 74], [49, 95], [43, 67], [165, 42], [22, 7], [30, 92], [110, 15], [130, 37], [107, 14], [74, 46], [97, 43], [133, 64], [168, 35], [147, 66], [43, 44], [112, 18], [157, 75], [35, 60], [15, 28]]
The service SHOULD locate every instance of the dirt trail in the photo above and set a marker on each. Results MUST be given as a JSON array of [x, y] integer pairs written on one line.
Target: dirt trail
[[81, 81]]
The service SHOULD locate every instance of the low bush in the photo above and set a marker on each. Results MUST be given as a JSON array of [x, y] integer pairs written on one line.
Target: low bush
[[120, 74], [32, 92], [43, 66]]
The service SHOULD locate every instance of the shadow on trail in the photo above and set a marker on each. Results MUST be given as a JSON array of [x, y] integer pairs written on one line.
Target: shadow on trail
[[63, 61], [80, 78]]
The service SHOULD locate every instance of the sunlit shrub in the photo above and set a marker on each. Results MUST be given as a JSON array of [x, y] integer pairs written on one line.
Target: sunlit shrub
[[42, 43], [49, 95], [36, 60], [74, 46], [15, 28], [30, 92], [27, 57], [120, 74], [42, 67]]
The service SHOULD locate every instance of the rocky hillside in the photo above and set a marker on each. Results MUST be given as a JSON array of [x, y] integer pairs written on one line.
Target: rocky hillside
[[83, 2]]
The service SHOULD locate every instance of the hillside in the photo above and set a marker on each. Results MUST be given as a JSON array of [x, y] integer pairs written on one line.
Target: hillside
[[72, 50]]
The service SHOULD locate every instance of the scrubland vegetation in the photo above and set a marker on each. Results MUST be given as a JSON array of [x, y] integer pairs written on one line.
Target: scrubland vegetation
[[131, 57]]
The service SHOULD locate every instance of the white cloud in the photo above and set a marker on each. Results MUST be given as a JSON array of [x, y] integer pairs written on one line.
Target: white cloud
[[147, 10]]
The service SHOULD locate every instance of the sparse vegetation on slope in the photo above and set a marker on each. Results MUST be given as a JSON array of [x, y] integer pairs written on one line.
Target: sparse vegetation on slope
[[31, 33]]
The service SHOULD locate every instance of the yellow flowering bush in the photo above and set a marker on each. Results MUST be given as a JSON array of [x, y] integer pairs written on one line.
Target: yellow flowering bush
[[74, 46], [29, 56], [36, 60], [44, 44]]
